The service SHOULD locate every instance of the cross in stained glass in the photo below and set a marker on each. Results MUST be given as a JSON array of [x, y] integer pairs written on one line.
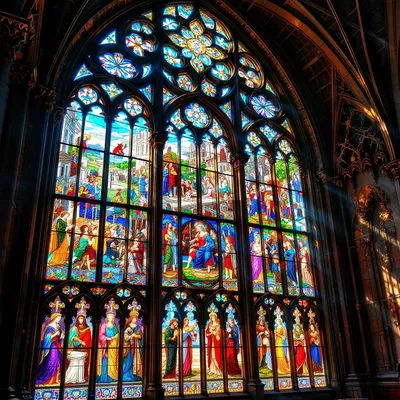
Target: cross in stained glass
[[57, 305]]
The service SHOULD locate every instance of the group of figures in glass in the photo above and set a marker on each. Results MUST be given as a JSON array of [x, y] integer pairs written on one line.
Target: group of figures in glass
[[182, 351], [80, 348], [119, 355], [274, 347], [100, 232]]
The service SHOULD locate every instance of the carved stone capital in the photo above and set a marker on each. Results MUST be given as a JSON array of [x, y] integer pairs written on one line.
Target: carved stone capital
[[394, 310], [44, 96], [158, 139], [338, 181], [322, 177], [366, 243], [14, 32], [239, 160], [392, 170], [23, 75]]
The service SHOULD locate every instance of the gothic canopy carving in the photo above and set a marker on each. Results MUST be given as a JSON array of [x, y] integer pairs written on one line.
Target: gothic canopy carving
[[360, 144]]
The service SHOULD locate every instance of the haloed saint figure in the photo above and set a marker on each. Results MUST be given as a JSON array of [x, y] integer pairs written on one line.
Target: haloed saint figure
[[79, 350], [51, 354], [51, 346], [107, 355]]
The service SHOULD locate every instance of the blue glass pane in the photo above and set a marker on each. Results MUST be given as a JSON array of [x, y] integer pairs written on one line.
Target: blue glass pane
[[197, 115], [82, 72]]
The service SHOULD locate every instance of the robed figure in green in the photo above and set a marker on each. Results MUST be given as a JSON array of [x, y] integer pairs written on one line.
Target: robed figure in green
[[171, 345]]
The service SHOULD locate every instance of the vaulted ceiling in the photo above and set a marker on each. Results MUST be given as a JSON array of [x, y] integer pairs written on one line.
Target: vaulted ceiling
[[330, 49]]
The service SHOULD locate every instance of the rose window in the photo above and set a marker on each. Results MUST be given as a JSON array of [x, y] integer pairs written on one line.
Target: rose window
[[203, 42]]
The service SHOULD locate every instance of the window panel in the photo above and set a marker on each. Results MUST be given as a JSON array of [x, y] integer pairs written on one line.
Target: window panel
[[91, 174], [282, 350], [107, 368], [171, 350], [133, 352], [300, 350], [316, 353], [48, 376], [209, 195], [292, 273], [271, 251], [79, 352], [264, 350], [102, 203], [67, 170]]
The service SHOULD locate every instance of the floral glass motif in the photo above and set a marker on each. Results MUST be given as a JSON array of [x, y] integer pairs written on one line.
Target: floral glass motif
[[136, 43], [140, 41], [196, 41], [262, 106], [185, 82], [110, 38], [227, 109], [221, 71], [115, 64], [82, 72], [197, 115], [245, 120], [253, 138], [170, 24], [133, 106], [250, 72], [268, 132], [148, 92], [208, 88], [172, 57], [87, 95], [112, 90], [185, 11], [167, 95], [284, 146], [148, 15], [216, 129]]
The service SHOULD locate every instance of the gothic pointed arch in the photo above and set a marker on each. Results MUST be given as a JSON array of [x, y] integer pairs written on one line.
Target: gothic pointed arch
[[178, 201]]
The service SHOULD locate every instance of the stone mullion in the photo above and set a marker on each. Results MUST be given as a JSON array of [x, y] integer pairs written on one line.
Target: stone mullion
[[329, 281], [93, 360], [153, 384], [203, 363], [292, 361], [384, 312], [250, 365]]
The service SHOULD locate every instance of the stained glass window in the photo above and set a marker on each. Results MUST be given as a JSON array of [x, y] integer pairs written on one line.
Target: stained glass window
[[213, 101]]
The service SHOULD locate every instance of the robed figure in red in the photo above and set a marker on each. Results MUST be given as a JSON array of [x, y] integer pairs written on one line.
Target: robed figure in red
[[214, 345]]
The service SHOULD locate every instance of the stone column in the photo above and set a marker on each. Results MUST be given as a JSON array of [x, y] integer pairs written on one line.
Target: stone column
[[250, 366], [19, 292], [13, 35], [154, 390]]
